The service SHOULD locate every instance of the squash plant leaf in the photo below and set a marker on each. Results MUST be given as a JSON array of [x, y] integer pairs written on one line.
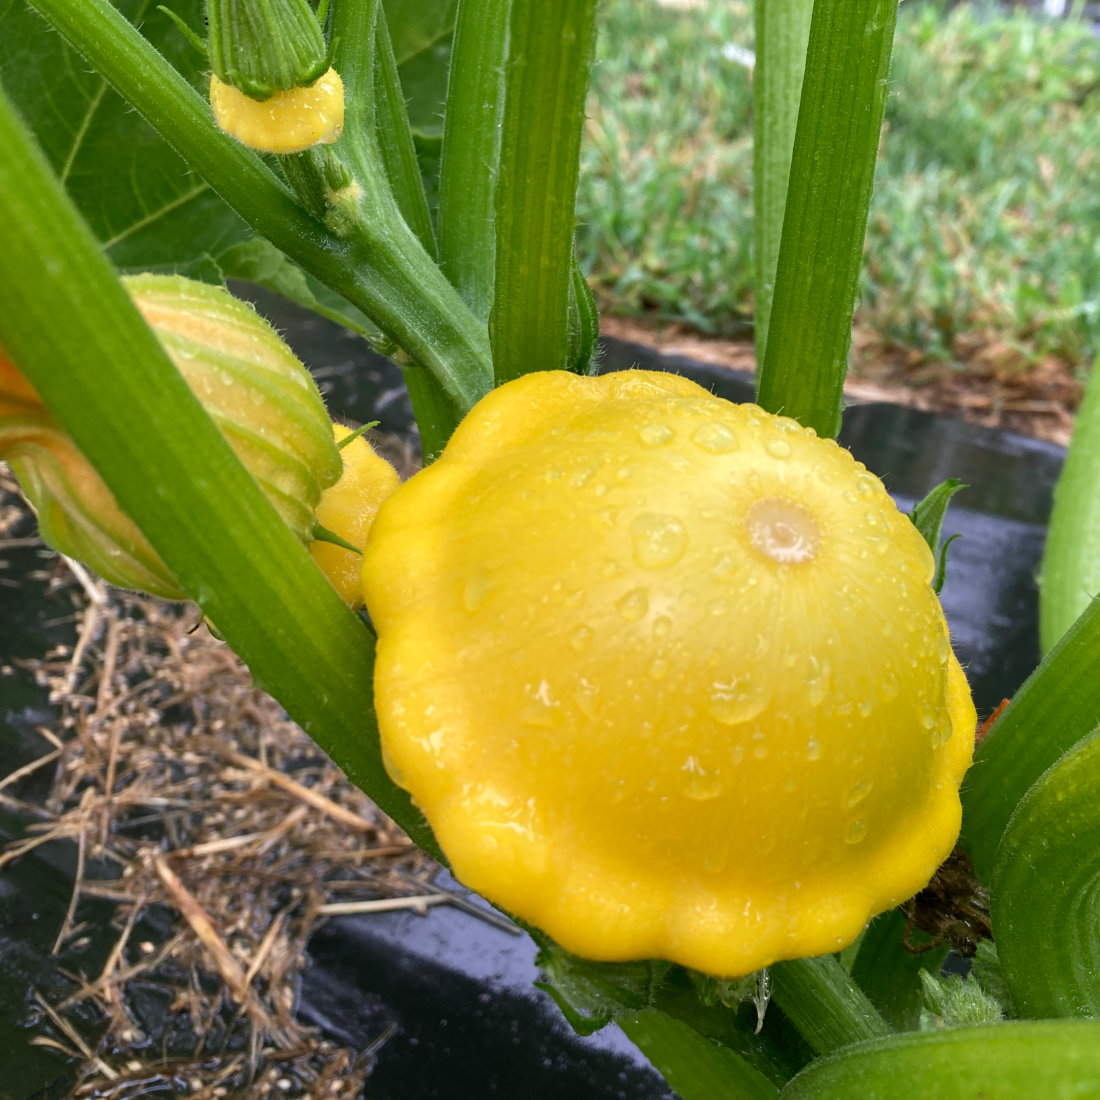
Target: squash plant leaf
[[955, 1001], [417, 27], [592, 994], [1015, 1058], [928, 516], [260, 262], [148, 210]]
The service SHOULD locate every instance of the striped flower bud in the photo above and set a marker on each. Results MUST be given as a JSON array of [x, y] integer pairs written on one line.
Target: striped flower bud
[[77, 513], [258, 393]]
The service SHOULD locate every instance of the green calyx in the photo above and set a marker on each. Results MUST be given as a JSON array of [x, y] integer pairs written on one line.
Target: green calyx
[[261, 47]]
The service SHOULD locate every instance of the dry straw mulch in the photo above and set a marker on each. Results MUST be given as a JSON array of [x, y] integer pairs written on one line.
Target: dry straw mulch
[[187, 793]]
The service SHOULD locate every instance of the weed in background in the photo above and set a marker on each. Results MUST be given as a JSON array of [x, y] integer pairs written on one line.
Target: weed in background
[[982, 241], [670, 117]]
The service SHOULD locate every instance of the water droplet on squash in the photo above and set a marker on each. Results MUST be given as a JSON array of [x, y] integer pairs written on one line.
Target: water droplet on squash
[[723, 567], [813, 749], [655, 435], [888, 686], [477, 589], [392, 770], [487, 844], [715, 856], [696, 782], [738, 701], [942, 733], [659, 540], [855, 832], [541, 708], [581, 638], [865, 708], [858, 794], [819, 680], [715, 438], [587, 697], [634, 605], [778, 448], [684, 407]]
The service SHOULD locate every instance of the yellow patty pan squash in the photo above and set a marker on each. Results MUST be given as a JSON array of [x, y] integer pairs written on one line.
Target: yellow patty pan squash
[[348, 509], [289, 121], [666, 675]]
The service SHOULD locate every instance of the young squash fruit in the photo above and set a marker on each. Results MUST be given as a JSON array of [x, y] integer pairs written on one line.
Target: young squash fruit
[[666, 675], [289, 121], [272, 87], [348, 509]]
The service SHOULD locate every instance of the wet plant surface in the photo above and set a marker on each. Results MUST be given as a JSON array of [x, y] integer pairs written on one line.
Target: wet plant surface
[[979, 256], [208, 946], [176, 888]]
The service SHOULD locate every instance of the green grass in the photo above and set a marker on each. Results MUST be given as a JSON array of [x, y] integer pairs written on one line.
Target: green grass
[[665, 199], [983, 236]]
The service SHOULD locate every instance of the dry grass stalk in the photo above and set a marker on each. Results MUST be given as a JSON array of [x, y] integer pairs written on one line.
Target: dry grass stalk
[[184, 789]]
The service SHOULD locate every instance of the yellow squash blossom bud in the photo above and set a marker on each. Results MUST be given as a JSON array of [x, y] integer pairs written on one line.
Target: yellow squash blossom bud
[[259, 394], [255, 388], [666, 675], [290, 121], [348, 509]]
